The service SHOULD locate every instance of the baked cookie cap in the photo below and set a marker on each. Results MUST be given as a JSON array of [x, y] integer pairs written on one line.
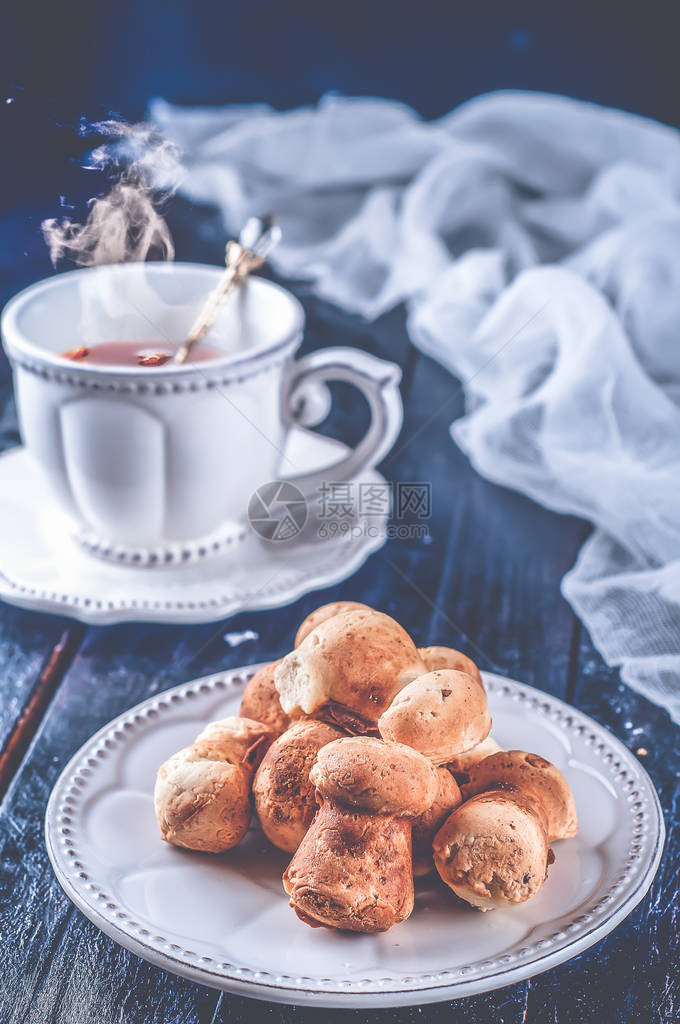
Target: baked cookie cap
[[372, 775], [326, 611], [436, 658], [442, 714], [357, 660], [493, 850], [284, 795], [261, 702], [531, 775]]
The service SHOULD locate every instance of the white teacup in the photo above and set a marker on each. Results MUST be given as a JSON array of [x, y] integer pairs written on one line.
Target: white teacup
[[152, 462]]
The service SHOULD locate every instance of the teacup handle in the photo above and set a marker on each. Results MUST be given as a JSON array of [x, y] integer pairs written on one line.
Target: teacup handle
[[307, 401]]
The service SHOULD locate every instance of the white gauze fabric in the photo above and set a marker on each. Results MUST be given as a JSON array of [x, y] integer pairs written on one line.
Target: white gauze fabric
[[536, 243]]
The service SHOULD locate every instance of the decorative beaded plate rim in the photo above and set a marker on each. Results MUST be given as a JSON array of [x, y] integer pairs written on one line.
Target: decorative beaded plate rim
[[79, 879]]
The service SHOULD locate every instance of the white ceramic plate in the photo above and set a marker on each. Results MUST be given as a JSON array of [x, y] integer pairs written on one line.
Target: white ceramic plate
[[225, 921], [42, 567]]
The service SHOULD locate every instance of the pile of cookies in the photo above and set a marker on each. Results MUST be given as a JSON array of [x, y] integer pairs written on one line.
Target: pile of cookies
[[371, 762]]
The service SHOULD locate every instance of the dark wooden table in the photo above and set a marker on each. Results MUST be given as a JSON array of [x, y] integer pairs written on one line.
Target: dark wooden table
[[487, 582]]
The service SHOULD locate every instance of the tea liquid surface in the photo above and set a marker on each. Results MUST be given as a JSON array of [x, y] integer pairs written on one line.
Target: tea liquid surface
[[137, 353]]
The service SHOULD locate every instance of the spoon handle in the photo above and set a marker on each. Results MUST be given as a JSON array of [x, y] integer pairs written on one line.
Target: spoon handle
[[241, 260]]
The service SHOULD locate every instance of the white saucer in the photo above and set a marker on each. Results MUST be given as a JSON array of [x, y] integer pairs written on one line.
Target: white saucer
[[224, 920], [42, 567]]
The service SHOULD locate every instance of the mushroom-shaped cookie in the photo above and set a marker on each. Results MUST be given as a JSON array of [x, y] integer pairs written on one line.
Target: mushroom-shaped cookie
[[436, 658], [260, 700], [531, 775], [465, 761], [348, 669], [442, 714], [326, 611], [353, 869], [284, 795], [495, 848], [202, 793], [426, 825]]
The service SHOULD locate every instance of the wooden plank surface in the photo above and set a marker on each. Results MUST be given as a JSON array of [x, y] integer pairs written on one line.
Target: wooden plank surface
[[30, 676], [633, 974], [34, 649]]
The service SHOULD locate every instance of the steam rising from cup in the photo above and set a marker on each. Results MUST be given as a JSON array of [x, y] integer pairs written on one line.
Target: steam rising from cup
[[125, 225]]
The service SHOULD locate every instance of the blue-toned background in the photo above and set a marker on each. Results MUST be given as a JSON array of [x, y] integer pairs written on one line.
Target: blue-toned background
[[63, 60], [490, 574]]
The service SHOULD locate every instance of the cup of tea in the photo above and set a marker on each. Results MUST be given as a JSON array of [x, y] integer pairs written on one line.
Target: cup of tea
[[153, 460]]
